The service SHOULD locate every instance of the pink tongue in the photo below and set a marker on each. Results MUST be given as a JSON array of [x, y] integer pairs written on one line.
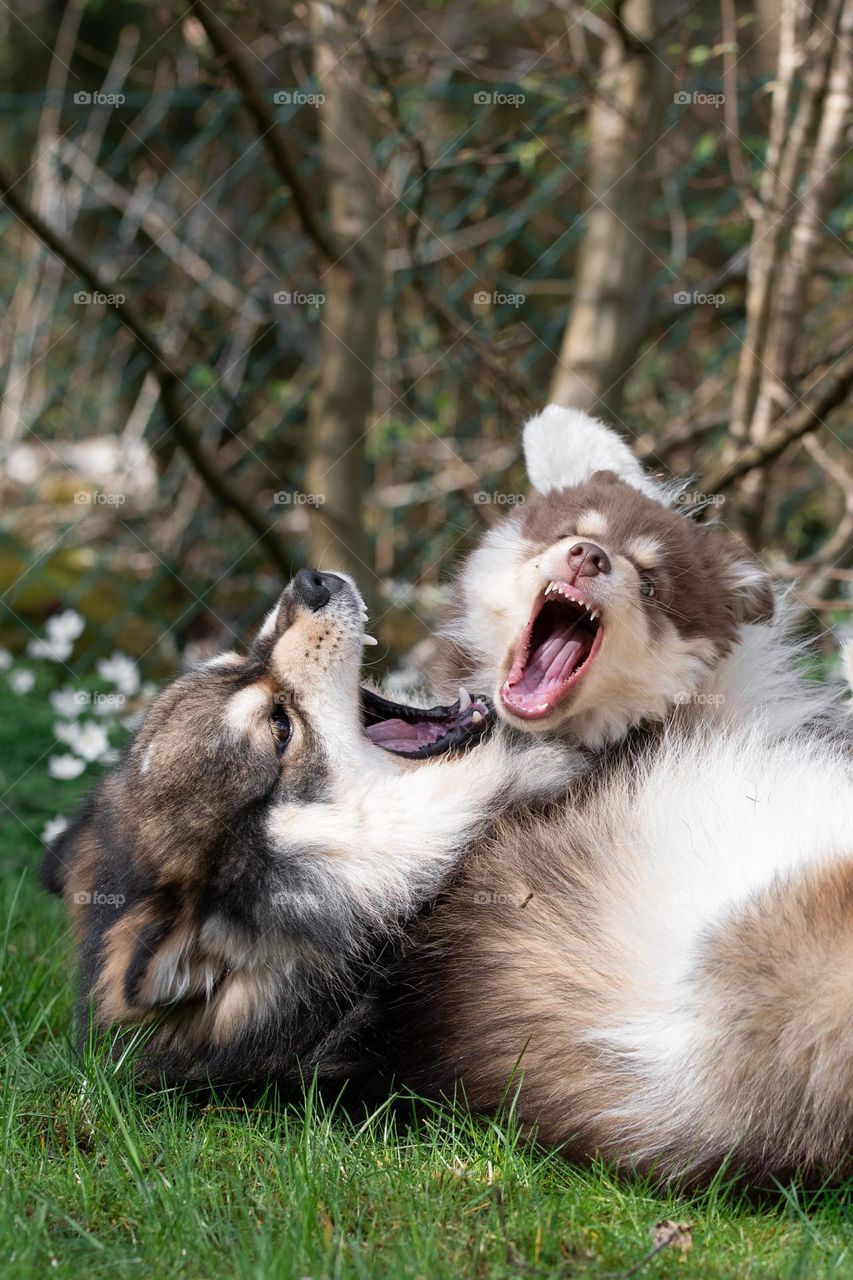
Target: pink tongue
[[399, 735], [555, 659]]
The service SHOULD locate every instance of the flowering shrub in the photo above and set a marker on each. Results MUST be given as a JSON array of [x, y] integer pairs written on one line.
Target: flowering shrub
[[90, 721]]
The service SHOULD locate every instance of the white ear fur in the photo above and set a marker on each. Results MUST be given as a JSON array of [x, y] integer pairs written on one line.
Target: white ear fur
[[563, 447]]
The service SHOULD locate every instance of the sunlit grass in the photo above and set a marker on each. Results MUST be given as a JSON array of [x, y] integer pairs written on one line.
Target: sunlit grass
[[101, 1177]]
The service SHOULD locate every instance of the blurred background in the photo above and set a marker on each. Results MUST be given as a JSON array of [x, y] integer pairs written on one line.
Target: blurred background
[[282, 282]]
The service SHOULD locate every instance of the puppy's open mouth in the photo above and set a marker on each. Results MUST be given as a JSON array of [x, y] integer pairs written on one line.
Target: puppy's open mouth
[[556, 650], [418, 733]]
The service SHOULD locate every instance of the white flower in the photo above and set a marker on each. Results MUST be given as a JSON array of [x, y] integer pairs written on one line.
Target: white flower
[[68, 702], [65, 627], [109, 704], [65, 767], [88, 739], [121, 671], [5, 659], [64, 730], [58, 650], [53, 828], [22, 680]]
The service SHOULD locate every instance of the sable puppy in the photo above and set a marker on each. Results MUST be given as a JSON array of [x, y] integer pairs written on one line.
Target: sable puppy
[[662, 965], [233, 881]]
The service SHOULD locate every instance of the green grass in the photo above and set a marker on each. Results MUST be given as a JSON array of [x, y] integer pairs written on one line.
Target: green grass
[[100, 1179]]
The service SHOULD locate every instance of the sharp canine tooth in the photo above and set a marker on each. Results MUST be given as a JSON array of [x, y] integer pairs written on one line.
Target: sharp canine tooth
[[366, 639], [464, 699], [476, 717]]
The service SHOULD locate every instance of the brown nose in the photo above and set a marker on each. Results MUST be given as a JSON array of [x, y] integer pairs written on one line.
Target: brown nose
[[586, 560]]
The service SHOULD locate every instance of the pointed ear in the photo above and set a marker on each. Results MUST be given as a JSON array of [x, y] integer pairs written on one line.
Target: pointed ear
[[564, 447], [750, 587]]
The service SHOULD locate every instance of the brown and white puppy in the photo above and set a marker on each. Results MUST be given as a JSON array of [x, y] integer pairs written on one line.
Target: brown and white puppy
[[660, 968], [598, 605], [234, 880]]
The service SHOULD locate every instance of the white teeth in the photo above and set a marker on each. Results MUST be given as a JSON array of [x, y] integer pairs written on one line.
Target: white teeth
[[464, 699], [366, 639], [476, 718]]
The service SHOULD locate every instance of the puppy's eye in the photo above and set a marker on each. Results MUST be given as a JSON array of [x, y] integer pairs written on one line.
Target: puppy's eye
[[647, 588], [280, 725]]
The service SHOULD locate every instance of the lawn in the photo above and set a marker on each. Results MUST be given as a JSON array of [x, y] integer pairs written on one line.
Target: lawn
[[102, 1179]]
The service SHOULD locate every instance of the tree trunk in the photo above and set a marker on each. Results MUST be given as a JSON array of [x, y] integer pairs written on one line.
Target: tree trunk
[[340, 413], [610, 315]]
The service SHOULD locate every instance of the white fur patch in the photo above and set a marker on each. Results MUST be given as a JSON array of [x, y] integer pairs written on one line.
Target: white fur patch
[[229, 659], [148, 756], [242, 709], [592, 524], [564, 447], [269, 624], [644, 551]]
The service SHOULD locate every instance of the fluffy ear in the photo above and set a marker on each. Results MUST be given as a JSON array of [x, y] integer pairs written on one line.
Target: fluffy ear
[[564, 447], [751, 588]]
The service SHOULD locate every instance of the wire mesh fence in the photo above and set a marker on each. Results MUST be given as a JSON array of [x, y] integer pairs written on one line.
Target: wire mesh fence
[[172, 194]]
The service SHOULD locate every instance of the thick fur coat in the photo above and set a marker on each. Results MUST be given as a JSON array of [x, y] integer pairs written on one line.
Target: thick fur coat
[[660, 968]]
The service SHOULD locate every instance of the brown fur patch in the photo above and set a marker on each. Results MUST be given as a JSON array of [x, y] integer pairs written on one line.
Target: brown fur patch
[[699, 583]]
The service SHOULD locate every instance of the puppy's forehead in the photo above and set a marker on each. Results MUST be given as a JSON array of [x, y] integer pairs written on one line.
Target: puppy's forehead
[[617, 514]]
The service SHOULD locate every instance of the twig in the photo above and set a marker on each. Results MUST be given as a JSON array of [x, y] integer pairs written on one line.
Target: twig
[[170, 375], [792, 426], [268, 128]]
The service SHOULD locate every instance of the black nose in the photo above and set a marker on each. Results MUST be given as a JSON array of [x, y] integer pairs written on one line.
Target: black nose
[[586, 560], [315, 589]]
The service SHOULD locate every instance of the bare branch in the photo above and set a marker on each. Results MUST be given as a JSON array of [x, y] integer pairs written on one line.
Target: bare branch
[[269, 131], [171, 376], [798, 422]]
